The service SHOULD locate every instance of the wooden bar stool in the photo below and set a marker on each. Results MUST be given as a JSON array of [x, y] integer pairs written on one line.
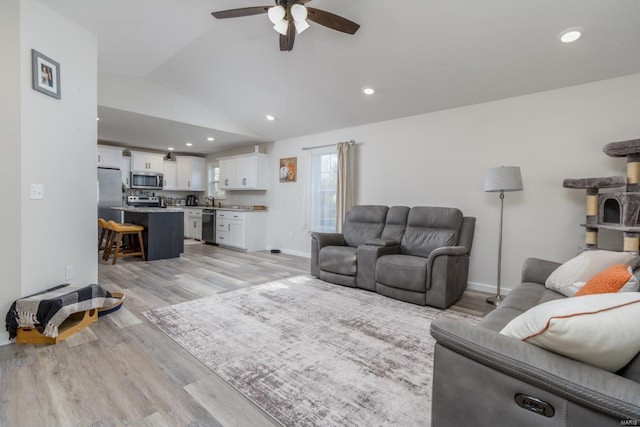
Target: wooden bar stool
[[117, 233], [105, 233]]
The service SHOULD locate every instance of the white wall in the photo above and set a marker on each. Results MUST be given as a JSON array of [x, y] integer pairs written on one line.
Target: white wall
[[58, 150], [439, 159], [139, 95], [10, 170]]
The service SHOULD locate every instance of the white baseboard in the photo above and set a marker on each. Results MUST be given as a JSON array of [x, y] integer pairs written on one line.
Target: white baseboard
[[4, 338], [297, 253], [490, 289]]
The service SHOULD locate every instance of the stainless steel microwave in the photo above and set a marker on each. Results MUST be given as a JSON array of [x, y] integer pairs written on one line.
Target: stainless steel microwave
[[147, 180]]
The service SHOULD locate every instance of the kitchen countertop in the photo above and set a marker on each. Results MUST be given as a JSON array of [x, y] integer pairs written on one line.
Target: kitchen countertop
[[148, 210], [168, 209]]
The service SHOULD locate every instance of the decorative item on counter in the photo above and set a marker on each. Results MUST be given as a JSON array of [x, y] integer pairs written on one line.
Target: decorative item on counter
[[259, 207]]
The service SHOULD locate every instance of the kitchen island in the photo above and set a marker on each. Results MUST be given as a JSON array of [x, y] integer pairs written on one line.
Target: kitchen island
[[163, 230]]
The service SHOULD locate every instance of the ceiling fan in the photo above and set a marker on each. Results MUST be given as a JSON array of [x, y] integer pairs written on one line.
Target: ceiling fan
[[290, 17]]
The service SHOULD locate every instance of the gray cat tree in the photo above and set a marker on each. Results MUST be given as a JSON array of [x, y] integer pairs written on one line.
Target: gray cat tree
[[618, 211]]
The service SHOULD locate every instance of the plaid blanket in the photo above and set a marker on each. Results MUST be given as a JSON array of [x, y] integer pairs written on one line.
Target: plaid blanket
[[47, 310]]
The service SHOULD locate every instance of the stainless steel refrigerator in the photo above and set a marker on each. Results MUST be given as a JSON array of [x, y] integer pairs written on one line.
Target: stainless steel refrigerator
[[109, 194]]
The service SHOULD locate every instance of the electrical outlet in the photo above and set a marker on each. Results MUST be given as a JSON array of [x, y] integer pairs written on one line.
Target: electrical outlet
[[68, 272]]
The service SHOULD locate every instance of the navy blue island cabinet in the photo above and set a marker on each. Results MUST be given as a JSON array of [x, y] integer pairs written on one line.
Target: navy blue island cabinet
[[163, 230]]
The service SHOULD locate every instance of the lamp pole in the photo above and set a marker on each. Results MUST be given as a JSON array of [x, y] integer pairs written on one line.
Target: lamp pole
[[497, 299]]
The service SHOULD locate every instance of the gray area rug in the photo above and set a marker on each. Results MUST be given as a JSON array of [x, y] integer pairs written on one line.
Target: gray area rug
[[315, 354]]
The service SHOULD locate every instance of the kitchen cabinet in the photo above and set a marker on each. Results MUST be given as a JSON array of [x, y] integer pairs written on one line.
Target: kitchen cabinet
[[245, 172], [191, 173], [242, 230], [227, 173], [169, 175], [146, 162], [108, 157], [193, 223], [125, 170]]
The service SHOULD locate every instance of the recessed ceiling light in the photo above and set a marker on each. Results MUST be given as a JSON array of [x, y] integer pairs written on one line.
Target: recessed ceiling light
[[170, 148], [270, 117], [211, 139], [189, 144], [97, 118], [368, 91], [570, 35]]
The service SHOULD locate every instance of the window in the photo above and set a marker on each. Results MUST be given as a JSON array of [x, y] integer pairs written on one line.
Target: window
[[213, 182], [323, 186]]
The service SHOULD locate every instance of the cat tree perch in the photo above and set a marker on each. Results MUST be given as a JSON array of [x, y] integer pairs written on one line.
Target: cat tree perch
[[618, 211]]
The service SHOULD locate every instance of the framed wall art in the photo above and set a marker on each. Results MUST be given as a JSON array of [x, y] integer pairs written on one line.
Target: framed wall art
[[289, 169], [45, 74]]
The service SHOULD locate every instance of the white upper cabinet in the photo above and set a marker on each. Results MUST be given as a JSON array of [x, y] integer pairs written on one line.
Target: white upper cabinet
[[191, 173], [227, 173], [146, 162], [108, 157], [245, 172], [169, 175]]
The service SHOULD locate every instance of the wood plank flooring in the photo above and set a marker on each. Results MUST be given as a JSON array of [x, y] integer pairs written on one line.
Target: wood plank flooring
[[123, 371]]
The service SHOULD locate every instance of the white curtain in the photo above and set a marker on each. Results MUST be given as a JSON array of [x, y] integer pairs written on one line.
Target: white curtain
[[344, 190]]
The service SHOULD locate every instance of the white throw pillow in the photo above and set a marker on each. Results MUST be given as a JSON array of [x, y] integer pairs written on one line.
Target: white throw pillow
[[573, 274], [596, 329]]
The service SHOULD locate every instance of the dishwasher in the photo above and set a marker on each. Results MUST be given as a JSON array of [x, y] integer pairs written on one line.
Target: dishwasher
[[209, 225]]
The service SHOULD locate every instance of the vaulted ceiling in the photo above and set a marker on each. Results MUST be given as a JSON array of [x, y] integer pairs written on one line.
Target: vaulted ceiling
[[419, 55]]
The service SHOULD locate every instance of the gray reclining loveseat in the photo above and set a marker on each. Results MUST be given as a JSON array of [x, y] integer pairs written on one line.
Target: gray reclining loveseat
[[419, 255], [481, 376]]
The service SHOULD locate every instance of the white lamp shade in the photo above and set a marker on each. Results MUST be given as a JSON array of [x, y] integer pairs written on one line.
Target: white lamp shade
[[298, 12], [301, 26], [282, 27], [276, 14], [503, 178]]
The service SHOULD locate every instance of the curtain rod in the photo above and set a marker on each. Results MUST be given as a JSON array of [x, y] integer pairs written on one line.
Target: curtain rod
[[352, 142]]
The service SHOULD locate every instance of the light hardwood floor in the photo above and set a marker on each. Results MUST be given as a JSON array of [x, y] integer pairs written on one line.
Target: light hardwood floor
[[123, 371]]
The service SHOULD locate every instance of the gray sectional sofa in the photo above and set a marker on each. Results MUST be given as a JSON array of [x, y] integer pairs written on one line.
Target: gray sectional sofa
[[478, 372], [418, 255]]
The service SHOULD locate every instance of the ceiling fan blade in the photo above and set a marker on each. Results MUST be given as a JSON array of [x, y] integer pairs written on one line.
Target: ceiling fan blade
[[331, 20], [286, 42], [244, 11]]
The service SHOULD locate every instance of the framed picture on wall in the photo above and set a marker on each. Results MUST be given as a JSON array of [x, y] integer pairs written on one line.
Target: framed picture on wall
[[289, 169], [45, 74]]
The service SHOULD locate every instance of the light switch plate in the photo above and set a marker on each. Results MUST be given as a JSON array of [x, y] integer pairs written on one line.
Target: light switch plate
[[37, 191]]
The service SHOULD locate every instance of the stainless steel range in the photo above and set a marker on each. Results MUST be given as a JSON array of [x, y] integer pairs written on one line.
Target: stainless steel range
[[143, 201]]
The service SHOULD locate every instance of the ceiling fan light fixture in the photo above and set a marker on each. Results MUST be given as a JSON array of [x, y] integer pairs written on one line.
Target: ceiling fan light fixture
[[298, 12], [301, 26], [282, 27], [276, 14]]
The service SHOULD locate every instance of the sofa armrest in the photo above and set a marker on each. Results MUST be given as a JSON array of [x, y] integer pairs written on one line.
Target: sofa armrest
[[328, 239], [447, 250], [319, 241], [382, 242], [537, 270], [575, 381]]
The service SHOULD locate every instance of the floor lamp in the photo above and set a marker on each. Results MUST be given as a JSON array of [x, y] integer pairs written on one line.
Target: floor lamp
[[504, 178]]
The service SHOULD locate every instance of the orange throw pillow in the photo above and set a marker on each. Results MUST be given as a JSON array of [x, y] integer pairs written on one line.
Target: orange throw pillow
[[608, 281]]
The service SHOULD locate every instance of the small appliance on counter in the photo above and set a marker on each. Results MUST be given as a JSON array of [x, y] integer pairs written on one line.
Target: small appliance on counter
[[192, 200]]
